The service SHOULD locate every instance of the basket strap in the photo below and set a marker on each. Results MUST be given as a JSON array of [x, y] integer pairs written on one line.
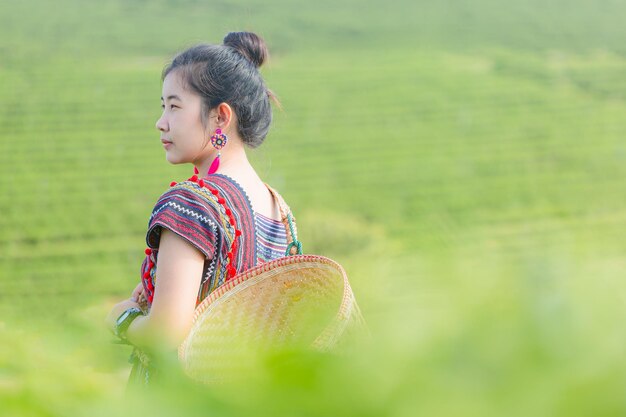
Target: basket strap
[[295, 246]]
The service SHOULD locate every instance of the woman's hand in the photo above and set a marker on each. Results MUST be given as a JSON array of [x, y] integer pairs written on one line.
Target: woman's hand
[[117, 310], [137, 292]]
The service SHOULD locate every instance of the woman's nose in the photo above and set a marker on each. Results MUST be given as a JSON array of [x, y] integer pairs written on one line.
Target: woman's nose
[[161, 124]]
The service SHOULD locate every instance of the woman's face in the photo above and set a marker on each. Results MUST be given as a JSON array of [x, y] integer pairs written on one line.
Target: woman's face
[[180, 124]]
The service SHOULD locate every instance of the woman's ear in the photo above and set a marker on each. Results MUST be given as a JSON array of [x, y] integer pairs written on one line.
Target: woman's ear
[[224, 116]]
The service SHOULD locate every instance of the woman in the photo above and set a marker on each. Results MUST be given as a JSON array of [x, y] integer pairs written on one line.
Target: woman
[[221, 221]]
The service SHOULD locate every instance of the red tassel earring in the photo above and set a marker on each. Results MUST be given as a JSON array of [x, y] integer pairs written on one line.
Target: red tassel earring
[[218, 140]]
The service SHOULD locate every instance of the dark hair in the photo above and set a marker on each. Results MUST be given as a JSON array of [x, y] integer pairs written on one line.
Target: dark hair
[[229, 73]]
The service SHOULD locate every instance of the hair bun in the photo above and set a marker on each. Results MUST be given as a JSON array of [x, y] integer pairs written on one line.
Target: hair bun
[[249, 45]]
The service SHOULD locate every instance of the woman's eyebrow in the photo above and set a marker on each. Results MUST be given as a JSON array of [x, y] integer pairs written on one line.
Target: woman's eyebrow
[[173, 96]]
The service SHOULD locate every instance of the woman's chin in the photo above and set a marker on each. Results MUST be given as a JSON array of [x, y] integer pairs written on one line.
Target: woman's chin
[[172, 158]]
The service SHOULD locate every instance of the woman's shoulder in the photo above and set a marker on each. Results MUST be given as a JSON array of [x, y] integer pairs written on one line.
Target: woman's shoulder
[[231, 190], [218, 200], [215, 198], [188, 211], [186, 194]]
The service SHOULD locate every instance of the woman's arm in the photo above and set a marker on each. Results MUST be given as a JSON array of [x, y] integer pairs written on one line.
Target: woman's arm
[[178, 276]]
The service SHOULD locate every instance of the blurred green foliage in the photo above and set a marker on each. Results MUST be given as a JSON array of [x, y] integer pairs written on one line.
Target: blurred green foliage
[[462, 160]]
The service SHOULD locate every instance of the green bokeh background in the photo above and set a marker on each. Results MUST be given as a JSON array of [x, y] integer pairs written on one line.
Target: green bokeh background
[[463, 160]]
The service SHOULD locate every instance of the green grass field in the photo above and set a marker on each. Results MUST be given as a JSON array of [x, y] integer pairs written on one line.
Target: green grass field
[[462, 160]]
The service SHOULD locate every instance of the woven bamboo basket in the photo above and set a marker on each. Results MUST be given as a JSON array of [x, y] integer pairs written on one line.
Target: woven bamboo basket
[[292, 302]]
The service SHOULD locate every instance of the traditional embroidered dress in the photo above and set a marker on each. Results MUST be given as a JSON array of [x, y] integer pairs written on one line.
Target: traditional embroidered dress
[[205, 220]]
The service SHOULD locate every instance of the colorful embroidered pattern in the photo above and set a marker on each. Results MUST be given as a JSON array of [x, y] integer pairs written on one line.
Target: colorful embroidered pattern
[[272, 238]]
